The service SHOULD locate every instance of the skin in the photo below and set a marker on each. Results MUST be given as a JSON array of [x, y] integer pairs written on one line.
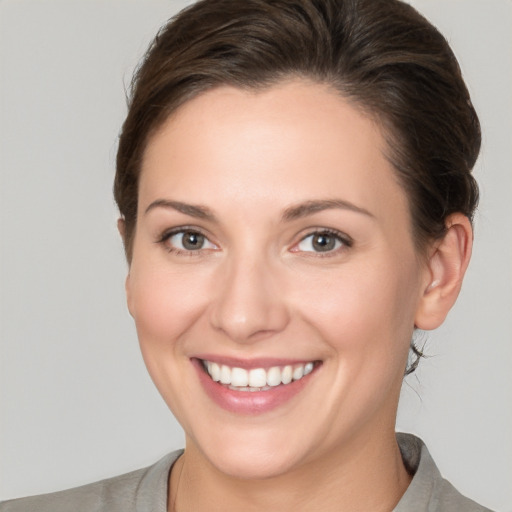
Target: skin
[[258, 288]]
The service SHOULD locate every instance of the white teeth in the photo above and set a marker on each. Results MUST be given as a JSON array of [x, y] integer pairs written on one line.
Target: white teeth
[[287, 375], [274, 376], [239, 377], [225, 374], [214, 371], [298, 373], [256, 379], [249, 388]]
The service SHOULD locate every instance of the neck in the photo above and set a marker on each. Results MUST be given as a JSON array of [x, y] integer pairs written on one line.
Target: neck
[[367, 474]]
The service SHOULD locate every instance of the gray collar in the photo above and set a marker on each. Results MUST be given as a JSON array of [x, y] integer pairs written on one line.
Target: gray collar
[[427, 492]]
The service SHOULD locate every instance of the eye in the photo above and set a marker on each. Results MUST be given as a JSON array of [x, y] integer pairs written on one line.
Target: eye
[[322, 242], [187, 241]]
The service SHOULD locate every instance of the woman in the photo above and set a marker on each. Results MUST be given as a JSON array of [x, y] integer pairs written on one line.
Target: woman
[[295, 193]]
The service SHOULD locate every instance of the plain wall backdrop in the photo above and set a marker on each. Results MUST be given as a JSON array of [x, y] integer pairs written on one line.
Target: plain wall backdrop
[[76, 402]]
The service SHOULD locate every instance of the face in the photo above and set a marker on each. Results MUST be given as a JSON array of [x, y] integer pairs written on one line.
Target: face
[[274, 280]]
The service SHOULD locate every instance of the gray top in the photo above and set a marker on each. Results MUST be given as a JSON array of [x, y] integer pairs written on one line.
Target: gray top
[[145, 490]]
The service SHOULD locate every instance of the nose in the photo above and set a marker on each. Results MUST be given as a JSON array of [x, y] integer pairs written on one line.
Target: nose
[[251, 303]]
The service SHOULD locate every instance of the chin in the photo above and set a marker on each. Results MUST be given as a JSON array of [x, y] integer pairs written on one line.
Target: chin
[[252, 464], [250, 453]]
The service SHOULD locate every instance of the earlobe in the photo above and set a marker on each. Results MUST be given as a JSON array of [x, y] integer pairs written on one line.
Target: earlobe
[[127, 286], [121, 227], [447, 265]]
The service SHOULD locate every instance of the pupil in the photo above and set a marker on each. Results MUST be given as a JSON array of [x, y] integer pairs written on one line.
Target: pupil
[[323, 242], [193, 241]]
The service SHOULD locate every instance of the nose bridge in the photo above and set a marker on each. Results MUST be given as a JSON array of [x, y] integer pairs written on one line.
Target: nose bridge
[[249, 304]]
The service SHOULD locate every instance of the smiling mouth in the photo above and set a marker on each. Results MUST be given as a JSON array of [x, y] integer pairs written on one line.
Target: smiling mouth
[[257, 379]]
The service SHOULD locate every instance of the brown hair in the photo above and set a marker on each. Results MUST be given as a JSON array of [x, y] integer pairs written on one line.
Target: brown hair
[[382, 55]]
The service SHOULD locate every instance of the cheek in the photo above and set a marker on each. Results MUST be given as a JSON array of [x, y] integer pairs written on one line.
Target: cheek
[[366, 308], [164, 304]]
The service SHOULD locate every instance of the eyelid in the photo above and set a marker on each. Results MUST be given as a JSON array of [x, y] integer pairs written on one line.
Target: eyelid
[[345, 239], [169, 233]]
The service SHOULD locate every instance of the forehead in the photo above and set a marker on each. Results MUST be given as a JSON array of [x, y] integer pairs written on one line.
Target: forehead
[[286, 143]]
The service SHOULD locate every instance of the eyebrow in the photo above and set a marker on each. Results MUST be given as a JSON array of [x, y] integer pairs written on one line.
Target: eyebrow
[[291, 213], [198, 211], [310, 207]]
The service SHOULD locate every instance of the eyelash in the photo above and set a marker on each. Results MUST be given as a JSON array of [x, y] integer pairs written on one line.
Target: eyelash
[[167, 235], [345, 240]]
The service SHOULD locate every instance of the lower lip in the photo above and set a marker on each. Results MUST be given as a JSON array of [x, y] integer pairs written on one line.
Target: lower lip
[[249, 402]]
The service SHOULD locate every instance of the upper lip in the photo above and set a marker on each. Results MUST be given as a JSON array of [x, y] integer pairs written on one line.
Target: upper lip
[[258, 362]]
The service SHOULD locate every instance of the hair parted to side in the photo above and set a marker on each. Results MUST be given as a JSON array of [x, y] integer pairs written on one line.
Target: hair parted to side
[[381, 55]]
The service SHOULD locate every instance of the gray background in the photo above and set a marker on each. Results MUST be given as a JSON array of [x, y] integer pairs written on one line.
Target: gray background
[[76, 403]]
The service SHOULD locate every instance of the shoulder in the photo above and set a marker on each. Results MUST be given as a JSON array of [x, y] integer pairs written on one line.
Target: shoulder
[[448, 499], [144, 489], [429, 491]]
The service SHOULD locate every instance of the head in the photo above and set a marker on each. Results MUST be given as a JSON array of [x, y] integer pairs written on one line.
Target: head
[[381, 55], [371, 77]]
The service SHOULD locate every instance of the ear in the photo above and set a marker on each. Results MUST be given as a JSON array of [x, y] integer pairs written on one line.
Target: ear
[[446, 266], [121, 227], [127, 288]]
